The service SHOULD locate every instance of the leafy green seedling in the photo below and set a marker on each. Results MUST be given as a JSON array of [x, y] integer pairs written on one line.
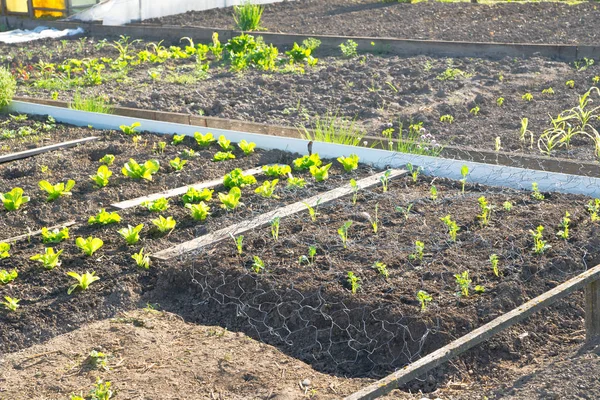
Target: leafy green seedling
[[433, 192], [418, 253], [320, 173], [14, 199], [275, 228], [353, 281], [4, 250], [258, 265], [204, 141], [464, 171], [98, 360], [83, 281], [382, 269], [159, 205], [385, 179], [535, 192], [90, 245], [563, 233], [130, 129], [177, 139], [374, 221], [164, 224], [349, 163], [236, 178], [294, 182], [414, 172], [142, 260], [49, 259], [267, 189], [405, 210], [10, 303], [247, 148], [160, 147], [238, 243], [223, 156], [539, 244], [7, 277], [102, 176], [136, 171], [424, 299], [486, 211], [313, 211], [231, 200], [276, 170], [194, 196], [355, 189], [177, 163], [452, 226], [494, 261], [58, 190], [199, 211], [104, 218], [507, 205], [464, 283], [343, 232], [107, 160], [131, 234], [305, 162], [55, 235], [224, 143]]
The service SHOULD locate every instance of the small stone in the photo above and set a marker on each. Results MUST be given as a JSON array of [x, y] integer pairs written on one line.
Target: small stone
[[306, 382]]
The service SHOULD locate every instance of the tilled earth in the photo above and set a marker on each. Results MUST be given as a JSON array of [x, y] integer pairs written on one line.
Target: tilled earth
[[524, 22], [378, 92]]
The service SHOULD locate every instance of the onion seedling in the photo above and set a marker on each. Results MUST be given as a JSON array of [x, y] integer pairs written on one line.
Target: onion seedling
[[374, 221], [355, 188]]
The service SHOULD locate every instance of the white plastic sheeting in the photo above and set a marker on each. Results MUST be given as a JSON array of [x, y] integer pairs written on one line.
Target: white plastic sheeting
[[119, 12], [41, 32]]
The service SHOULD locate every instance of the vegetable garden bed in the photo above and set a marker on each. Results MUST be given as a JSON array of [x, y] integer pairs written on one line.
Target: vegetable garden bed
[[523, 22], [278, 290], [476, 103]]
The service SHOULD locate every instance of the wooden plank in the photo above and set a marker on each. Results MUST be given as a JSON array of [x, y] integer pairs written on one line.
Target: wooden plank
[[36, 233], [177, 191], [592, 310], [265, 219], [45, 149], [472, 339]]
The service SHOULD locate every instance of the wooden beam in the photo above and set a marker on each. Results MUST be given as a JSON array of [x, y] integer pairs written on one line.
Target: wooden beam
[[479, 335], [592, 310], [265, 219], [36, 233], [45, 149], [177, 191]]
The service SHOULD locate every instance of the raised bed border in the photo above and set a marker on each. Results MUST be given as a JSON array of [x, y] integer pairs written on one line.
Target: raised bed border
[[542, 163], [488, 174], [401, 47], [590, 280]]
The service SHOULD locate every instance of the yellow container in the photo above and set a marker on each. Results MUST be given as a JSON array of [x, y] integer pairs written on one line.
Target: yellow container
[[57, 4], [16, 6]]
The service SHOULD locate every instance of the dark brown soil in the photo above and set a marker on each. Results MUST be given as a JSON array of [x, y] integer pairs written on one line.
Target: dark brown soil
[[377, 91], [527, 22]]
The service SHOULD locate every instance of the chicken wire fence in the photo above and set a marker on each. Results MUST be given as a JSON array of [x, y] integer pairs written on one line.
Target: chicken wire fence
[[337, 333]]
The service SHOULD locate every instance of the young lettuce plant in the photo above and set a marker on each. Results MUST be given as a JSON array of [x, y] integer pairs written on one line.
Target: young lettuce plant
[[539, 244], [164, 224], [4, 250], [563, 233], [102, 176], [130, 129], [194, 196], [294, 182], [131, 234], [7, 277], [349, 163], [58, 190], [14, 199], [90, 245], [231, 200], [507, 205], [136, 171], [239, 242], [199, 211], [83, 281], [275, 228], [224, 143], [593, 208], [159, 205], [104, 218], [276, 170], [267, 189], [177, 139], [107, 160], [452, 226], [204, 141], [142, 260], [236, 178], [223, 156], [10, 303], [320, 173], [353, 281], [304, 163], [343, 232], [424, 299], [247, 148], [177, 163], [55, 235], [49, 259]]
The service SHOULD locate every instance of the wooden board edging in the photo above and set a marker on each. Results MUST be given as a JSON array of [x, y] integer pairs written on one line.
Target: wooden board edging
[[40, 150]]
